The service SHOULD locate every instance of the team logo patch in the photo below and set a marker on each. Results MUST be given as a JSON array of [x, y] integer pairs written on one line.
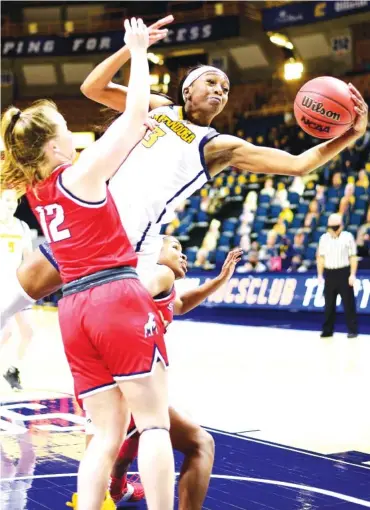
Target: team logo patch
[[150, 328]]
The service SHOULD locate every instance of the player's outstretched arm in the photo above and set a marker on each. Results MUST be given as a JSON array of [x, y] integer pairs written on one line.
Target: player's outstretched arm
[[100, 161], [98, 85], [192, 298], [224, 150]]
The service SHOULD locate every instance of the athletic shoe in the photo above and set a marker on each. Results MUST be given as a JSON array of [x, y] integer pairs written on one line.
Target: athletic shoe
[[12, 378], [123, 491], [108, 503]]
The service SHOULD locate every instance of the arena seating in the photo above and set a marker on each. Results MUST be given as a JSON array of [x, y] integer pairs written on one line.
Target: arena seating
[[247, 209]]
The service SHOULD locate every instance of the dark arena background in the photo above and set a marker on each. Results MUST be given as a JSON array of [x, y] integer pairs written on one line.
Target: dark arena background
[[288, 410]]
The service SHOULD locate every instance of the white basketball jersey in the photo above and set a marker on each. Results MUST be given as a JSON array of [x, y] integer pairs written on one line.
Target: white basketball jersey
[[15, 236], [164, 169]]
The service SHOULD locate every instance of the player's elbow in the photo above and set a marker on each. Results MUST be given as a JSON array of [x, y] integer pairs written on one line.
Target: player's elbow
[[88, 90]]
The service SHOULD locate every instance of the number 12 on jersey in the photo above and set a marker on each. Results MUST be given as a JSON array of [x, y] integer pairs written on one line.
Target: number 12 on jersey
[[51, 228]]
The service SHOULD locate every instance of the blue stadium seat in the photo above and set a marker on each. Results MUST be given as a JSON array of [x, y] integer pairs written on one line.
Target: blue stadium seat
[[262, 210], [362, 202], [297, 221], [194, 202], [356, 217], [331, 207], [360, 190], [230, 225], [316, 236], [299, 250], [302, 208], [262, 237], [258, 225], [335, 192], [212, 256], [334, 200], [191, 254], [310, 253], [264, 199], [224, 240], [353, 229], [221, 254], [275, 210], [323, 220], [236, 240], [293, 198], [202, 217], [182, 229]]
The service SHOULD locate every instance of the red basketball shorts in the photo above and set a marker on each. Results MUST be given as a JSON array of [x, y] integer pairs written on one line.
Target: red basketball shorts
[[111, 332]]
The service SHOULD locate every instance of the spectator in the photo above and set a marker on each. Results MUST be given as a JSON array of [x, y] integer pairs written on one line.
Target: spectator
[[312, 215], [252, 265], [270, 249], [363, 179], [337, 183], [320, 197], [281, 194], [286, 214], [245, 243], [296, 265], [268, 188], [347, 201], [363, 237], [251, 201], [297, 186], [279, 228], [209, 243]]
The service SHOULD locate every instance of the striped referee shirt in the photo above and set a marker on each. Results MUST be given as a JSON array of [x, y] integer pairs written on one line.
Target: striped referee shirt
[[337, 250]]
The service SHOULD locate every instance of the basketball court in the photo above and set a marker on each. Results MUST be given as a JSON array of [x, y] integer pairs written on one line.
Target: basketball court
[[288, 411]]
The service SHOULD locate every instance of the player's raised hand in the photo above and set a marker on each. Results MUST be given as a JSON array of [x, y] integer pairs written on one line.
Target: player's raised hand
[[136, 34], [156, 32], [361, 109], [228, 268]]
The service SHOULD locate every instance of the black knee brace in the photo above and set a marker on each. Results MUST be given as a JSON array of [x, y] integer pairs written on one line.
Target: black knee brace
[[154, 428]]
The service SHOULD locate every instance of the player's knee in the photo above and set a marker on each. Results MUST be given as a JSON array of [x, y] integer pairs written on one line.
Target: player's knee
[[199, 442], [110, 442], [204, 443], [160, 420]]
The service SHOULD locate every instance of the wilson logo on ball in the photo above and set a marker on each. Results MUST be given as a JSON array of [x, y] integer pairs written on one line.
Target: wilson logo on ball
[[317, 107], [315, 125]]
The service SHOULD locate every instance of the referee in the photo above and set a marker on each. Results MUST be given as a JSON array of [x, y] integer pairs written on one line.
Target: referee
[[337, 260]]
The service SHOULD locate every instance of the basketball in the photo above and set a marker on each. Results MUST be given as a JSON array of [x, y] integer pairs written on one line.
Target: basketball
[[323, 107]]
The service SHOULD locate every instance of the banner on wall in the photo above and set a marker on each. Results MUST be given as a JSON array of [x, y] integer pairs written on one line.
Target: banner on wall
[[293, 292], [108, 42], [303, 13]]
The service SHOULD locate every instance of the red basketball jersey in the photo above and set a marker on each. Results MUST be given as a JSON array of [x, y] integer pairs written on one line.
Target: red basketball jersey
[[165, 307], [86, 237]]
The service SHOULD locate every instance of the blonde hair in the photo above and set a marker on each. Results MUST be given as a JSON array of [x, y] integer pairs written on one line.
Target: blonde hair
[[25, 134]]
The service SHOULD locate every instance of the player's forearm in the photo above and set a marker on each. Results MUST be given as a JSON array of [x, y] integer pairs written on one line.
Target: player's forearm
[[101, 76], [138, 93], [317, 156], [320, 266], [353, 263], [193, 298]]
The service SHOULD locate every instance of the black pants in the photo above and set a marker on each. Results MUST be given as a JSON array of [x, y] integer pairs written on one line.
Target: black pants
[[336, 282]]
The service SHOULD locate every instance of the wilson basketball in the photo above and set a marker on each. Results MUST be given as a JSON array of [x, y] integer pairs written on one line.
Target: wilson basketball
[[323, 107]]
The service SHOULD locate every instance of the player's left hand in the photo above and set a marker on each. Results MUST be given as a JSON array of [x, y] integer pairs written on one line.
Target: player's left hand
[[233, 257], [156, 32], [361, 109], [351, 280], [150, 123]]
